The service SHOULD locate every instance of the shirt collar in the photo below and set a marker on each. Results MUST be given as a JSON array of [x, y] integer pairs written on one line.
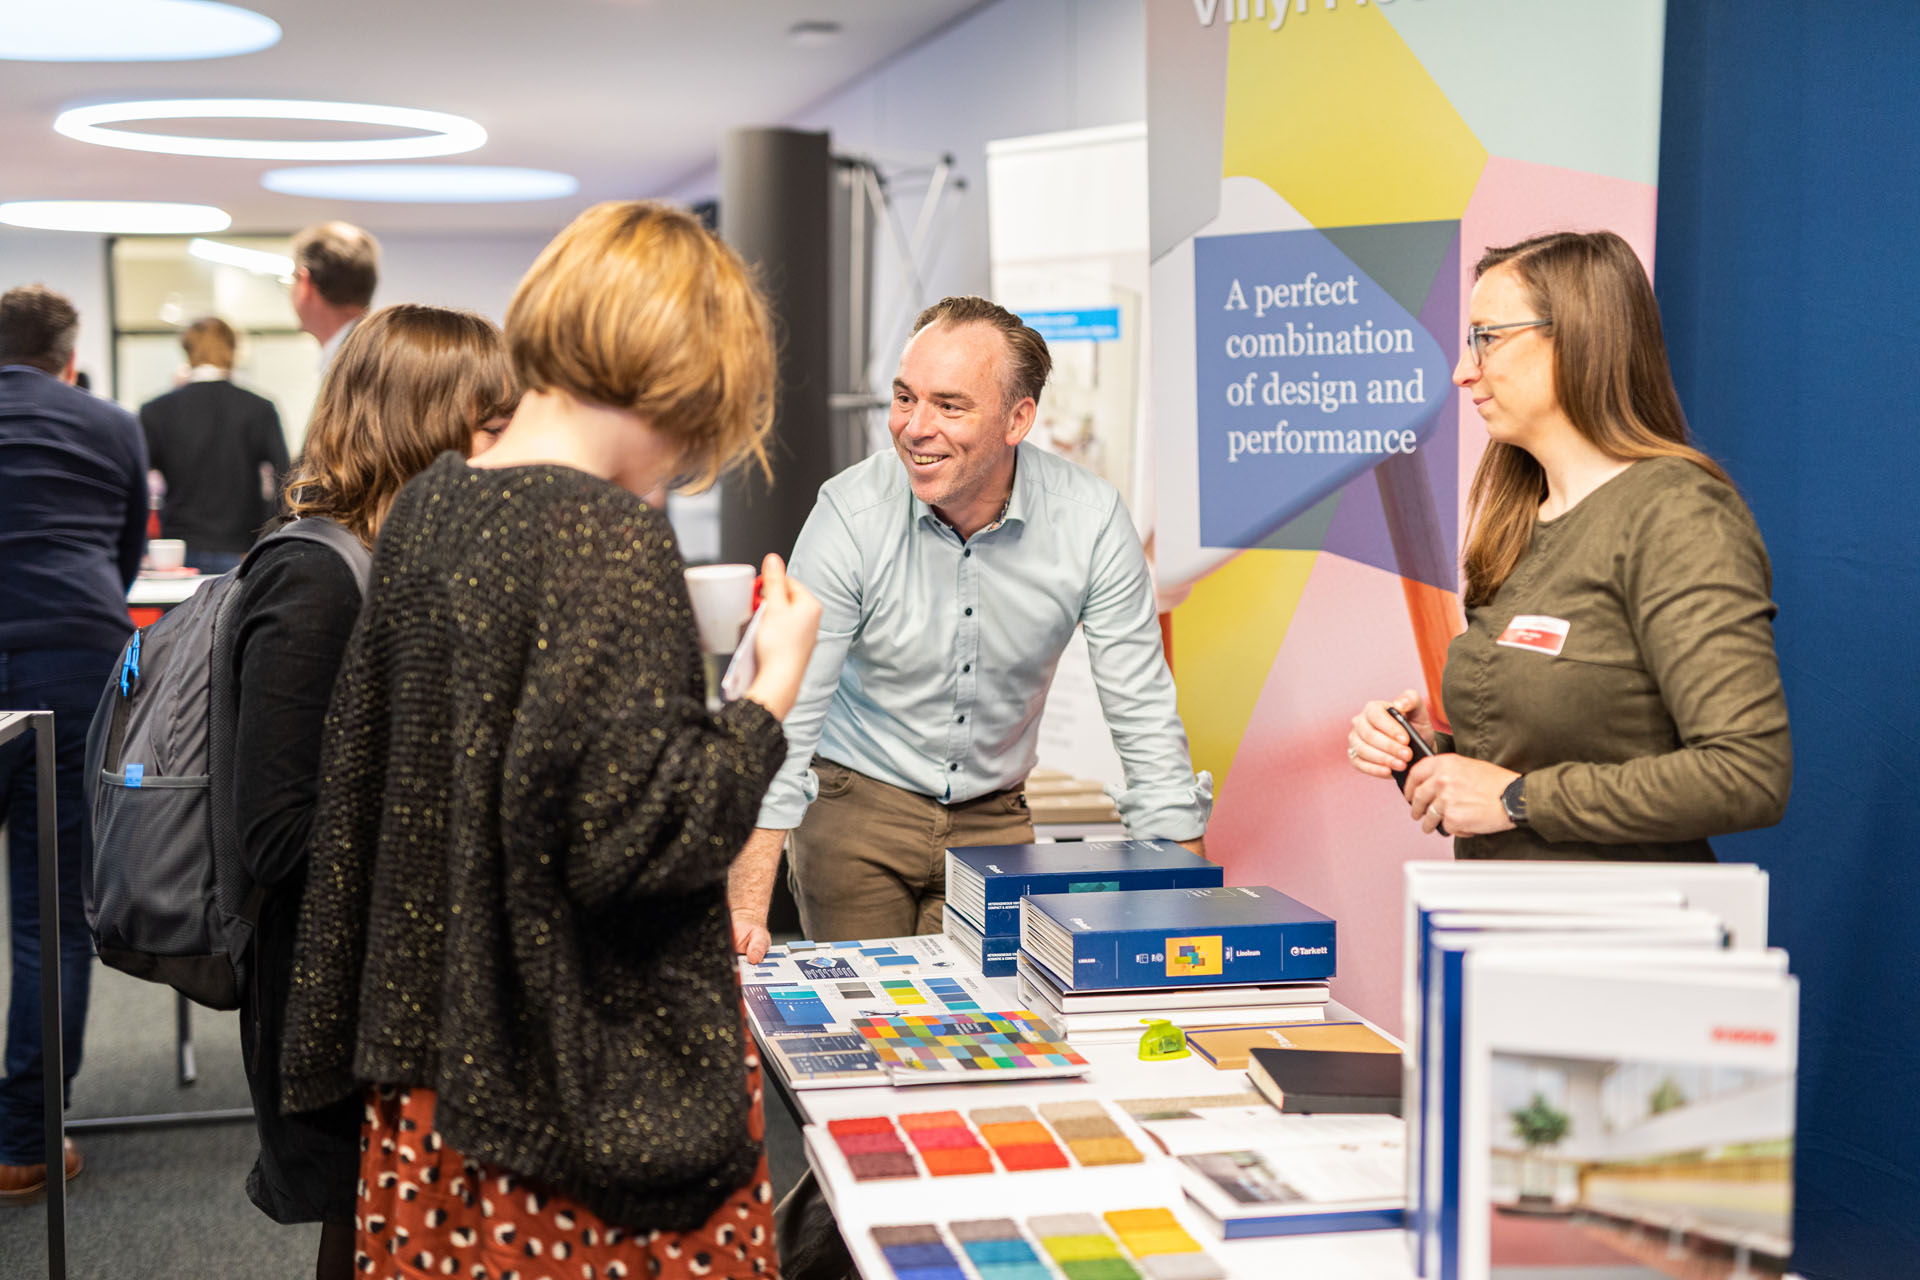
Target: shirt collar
[[207, 373], [1019, 501], [332, 345]]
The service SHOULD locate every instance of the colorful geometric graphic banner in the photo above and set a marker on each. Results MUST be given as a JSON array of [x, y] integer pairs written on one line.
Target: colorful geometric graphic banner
[[1323, 176]]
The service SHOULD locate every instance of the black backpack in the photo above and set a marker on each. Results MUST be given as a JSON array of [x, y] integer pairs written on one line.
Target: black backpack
[[167, 895]]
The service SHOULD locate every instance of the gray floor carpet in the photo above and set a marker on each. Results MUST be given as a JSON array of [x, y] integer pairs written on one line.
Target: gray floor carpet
[[171, 1203]]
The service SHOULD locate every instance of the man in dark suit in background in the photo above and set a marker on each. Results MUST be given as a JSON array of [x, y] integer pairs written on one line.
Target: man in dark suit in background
[[220, 451], [73, 519]]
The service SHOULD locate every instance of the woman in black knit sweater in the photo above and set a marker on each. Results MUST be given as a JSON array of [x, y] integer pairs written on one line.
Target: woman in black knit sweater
[[409, 383], [516, 923]]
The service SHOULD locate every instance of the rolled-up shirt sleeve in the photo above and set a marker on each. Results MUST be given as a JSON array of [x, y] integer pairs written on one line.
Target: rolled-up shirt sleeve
[[826, 561], [1163, 798]]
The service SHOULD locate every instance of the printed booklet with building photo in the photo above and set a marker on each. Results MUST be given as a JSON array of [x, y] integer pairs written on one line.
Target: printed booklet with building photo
[[1632, 1122], [1538, 899]]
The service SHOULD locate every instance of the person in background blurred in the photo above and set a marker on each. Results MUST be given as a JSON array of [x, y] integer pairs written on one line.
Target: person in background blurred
[[336, 267], [515, 927], [1615, 694], [73, 521], [410, 383], [218, 450]]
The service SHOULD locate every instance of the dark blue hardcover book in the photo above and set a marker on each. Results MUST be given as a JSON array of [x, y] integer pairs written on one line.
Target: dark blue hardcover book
[[986, 882], [998, 956], [1177, 937]]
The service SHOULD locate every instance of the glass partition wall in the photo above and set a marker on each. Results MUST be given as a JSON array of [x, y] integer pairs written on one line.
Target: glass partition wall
[[162, 284]]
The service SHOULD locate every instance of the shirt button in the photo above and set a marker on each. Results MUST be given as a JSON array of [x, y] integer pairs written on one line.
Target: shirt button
[[960, 720], [967, 667], [954, 767], [967, 554], [969, 612]]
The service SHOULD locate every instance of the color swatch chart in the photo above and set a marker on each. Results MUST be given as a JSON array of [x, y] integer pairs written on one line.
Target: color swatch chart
[[834, 961], [806, 1026], [949, 1045], [1130, 1244], [985, 1140]]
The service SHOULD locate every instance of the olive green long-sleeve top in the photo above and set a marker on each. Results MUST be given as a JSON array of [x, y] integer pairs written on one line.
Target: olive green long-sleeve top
[[1661, 720]]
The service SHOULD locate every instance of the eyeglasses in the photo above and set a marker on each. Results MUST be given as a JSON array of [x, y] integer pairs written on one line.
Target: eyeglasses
[[1481, 335]]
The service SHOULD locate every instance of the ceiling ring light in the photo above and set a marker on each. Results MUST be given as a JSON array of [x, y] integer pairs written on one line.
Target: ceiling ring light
[[445, 134], [422, 183], [132, 31], [114, 217]]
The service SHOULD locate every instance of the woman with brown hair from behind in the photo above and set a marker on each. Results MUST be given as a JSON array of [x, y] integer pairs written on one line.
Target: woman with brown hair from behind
[[409, 383], [519, 935]]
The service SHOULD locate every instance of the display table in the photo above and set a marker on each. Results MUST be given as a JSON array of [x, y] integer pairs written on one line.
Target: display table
[[152, 594], [1117, 1075]]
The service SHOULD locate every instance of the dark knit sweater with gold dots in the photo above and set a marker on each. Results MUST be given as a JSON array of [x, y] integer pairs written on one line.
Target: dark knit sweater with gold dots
[[517, 893]]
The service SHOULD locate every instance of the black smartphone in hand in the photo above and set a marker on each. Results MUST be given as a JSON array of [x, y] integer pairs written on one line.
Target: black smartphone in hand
[[1419, 744], [1420, 752]]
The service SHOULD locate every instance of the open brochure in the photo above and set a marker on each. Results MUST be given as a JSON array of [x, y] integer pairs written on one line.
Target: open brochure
[[1253, 1171]]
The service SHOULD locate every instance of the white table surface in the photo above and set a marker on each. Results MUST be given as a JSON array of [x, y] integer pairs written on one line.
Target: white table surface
[[154, 592], [1117, 1074]]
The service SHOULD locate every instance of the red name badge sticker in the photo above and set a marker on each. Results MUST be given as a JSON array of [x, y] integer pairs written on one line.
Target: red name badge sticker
[[1535, 631]]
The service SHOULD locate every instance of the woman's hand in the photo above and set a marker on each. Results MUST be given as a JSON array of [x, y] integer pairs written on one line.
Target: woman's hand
[[789, 624], [1376, 745], [1461, 792]]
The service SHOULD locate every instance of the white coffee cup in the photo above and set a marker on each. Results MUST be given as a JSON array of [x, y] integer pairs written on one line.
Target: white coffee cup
[[166, 554], [722, 602]]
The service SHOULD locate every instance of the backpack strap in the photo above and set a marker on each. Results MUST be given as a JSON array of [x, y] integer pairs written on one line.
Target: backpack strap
[[328, 533]]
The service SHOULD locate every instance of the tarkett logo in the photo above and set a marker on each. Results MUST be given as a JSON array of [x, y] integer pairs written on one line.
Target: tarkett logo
[[1307, 951], [1744, 1035]]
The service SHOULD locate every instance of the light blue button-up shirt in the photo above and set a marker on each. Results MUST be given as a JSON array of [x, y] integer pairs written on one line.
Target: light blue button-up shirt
[[935, 654]]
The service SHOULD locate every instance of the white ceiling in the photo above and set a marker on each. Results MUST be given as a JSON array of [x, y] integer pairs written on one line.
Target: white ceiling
[[629, 96]]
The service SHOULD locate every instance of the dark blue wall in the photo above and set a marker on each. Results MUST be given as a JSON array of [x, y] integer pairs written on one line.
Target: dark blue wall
[[1788, 269]]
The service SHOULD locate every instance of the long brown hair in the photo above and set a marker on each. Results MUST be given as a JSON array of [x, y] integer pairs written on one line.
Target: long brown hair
[[1610, 377], [637, 306], [409, 383]]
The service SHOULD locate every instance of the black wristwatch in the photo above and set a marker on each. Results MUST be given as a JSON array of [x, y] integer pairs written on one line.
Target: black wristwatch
[[1514, 801]]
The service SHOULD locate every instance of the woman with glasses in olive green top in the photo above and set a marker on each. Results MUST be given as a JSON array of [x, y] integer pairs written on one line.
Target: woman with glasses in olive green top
[[1615, 694]]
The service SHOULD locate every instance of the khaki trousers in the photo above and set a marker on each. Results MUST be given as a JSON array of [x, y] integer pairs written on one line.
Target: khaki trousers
[[869, 860]]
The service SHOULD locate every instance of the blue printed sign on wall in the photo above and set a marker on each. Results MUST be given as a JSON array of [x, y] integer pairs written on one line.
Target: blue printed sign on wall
[[1308, 375], [1085, 324]]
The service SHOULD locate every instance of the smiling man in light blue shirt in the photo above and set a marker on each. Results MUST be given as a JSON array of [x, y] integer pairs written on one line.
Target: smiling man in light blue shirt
[[952, 572]]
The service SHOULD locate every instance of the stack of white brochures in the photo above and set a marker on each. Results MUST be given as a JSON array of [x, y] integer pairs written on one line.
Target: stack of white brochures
[[1123, 1009], [1622, 1108], [1535, 912]]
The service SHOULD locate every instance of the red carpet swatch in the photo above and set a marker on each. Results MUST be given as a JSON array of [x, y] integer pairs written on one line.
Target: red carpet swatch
[[873, 1148], [945, 1143]]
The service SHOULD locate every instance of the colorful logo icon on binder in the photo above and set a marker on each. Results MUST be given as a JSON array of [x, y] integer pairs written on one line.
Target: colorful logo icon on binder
[[1195, 957]]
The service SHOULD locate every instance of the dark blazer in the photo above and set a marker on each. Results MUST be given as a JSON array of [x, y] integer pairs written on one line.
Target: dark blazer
[[209, 439], [73, 514]]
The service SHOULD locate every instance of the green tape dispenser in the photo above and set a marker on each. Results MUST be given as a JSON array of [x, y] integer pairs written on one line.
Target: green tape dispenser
[[1162, 1041]]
